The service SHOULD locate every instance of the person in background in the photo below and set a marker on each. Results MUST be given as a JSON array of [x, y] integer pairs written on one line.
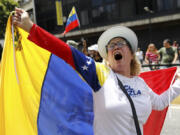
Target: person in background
[[91, 51], [112, 109], [84, 48], [175, 44], [152, 56], [140, 55], [168, 53], [178, 51]]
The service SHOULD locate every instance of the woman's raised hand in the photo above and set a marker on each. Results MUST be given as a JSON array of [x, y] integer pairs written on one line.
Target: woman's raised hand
[[21, 19]]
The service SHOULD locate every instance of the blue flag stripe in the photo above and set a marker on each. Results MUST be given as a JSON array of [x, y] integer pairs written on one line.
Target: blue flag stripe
[[71, 19], [66, 105]]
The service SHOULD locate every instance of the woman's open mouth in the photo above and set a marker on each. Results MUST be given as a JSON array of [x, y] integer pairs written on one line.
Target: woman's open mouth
[[117, 56]]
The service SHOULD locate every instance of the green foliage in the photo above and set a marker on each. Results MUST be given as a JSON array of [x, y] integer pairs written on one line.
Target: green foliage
[[6, 6]]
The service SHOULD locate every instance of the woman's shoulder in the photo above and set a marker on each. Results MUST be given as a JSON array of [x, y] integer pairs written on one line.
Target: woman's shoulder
[[141, 83], [139, 80], [148, 52]]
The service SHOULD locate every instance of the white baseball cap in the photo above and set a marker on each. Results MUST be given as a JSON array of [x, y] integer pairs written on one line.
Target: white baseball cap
[[93, 47], [117, 31]]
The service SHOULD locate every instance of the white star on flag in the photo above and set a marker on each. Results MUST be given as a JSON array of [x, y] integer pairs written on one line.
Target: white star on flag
[[89, 62], [85, 67]]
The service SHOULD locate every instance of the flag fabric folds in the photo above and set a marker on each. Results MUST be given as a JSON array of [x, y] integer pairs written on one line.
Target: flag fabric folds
[[72, 22], [59, 12], [50, 97]]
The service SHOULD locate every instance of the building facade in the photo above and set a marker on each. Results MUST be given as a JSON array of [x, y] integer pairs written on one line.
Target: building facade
[[152, 20]]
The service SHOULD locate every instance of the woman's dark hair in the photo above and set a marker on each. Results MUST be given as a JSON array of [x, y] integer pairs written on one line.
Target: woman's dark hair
[[168, 41]]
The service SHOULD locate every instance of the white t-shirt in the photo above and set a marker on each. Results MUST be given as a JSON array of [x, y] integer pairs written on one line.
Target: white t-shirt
[[139, 55], [112, 110]]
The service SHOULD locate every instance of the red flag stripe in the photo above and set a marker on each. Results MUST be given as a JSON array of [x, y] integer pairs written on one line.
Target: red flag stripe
[[71, 26]]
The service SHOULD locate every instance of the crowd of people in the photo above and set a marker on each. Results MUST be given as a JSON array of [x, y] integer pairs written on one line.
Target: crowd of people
[[165, 57], [155, 59]]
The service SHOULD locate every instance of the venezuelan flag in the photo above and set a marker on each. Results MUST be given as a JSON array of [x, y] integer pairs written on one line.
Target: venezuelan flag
[[72, 21], [39, 93]]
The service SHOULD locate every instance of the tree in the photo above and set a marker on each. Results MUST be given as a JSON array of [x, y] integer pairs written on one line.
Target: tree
[[6, 6]]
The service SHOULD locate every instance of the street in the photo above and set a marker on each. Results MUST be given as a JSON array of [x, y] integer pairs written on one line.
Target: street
[[172, 125]]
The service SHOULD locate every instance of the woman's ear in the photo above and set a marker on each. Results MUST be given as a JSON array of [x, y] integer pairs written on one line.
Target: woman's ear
[[133, 56]]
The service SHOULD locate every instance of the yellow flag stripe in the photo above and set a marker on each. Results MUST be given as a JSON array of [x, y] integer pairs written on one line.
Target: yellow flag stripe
[[73, 11], [19, 103], [102, 72]]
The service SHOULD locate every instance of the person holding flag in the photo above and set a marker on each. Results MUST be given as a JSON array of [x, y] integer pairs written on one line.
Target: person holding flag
[[122, 100]]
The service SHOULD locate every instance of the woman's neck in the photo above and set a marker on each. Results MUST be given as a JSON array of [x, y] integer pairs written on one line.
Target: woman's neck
[[153, 51], [125, 72]]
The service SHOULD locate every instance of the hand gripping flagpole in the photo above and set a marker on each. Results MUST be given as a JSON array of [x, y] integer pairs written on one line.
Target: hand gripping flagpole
[[14, 55]]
